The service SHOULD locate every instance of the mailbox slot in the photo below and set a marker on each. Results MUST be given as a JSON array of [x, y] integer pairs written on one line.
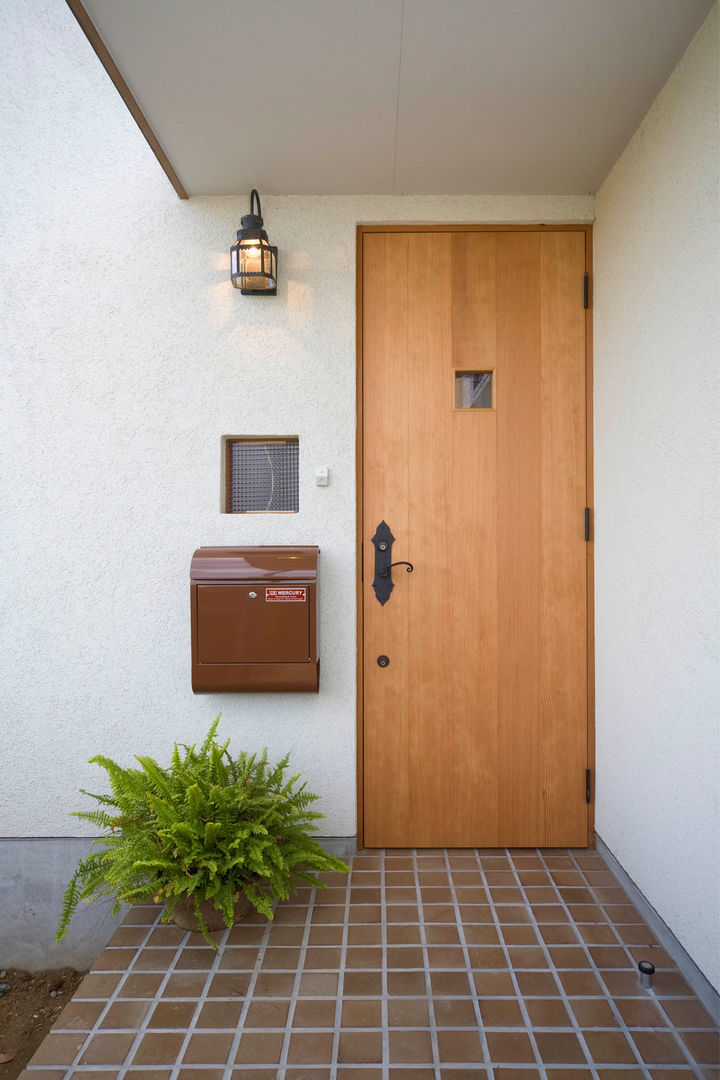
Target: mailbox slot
[[253, 618]]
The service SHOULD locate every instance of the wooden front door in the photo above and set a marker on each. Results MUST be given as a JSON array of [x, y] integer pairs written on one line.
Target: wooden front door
[[474, 454]]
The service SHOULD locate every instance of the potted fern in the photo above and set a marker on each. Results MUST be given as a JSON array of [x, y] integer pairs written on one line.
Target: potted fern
[[210, 836]]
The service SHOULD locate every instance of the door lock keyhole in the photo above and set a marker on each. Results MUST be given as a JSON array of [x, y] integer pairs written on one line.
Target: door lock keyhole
[[383, 660]]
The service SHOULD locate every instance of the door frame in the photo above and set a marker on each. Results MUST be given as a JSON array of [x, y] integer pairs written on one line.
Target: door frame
[[590, 590]]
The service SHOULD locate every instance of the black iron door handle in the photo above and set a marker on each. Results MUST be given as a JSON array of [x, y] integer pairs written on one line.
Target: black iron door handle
[[383, 582], [386, 571]]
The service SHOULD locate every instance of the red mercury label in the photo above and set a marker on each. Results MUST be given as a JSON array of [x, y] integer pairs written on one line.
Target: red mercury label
[[285, 596]]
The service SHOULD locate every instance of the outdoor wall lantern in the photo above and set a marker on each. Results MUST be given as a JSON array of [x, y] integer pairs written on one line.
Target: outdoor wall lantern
[[253, 261]]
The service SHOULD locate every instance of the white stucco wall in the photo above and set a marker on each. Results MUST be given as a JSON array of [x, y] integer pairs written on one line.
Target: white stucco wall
[[657, 519], [129, 355]]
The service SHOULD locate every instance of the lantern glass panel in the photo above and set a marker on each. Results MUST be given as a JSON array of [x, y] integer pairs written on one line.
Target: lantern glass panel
[[256, 265]]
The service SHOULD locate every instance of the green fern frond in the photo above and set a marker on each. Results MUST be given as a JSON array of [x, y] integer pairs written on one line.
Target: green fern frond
[[209, 826]]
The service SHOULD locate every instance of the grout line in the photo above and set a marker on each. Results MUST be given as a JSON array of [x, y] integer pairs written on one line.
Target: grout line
[[375, 879], [651, 993], [94, 1030], [513, 975], [202, 998], [282, 1064], [476, 1003], [372, 1066], [384, 1004], [426, 966], [142, 1030], [554, 971], [543, 1028], [229, 1065], [341, 977], [597, 971]]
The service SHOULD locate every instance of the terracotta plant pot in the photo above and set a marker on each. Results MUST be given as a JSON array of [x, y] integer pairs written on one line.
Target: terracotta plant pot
[[184, 913]]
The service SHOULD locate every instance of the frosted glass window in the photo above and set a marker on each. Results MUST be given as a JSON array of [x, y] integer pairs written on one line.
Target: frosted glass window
[[262, 476], [473, 389]]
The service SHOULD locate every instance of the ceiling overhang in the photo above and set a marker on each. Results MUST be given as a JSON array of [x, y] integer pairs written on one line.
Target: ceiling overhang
[[388, 96]]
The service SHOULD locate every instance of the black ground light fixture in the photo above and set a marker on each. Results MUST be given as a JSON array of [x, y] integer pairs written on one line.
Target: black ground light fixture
[[253, 261]]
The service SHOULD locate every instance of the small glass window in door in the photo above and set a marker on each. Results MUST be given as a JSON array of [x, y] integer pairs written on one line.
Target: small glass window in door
[[473, 389]]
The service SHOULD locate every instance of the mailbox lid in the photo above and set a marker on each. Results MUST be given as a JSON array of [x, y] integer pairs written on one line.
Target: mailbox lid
[[266, 564]]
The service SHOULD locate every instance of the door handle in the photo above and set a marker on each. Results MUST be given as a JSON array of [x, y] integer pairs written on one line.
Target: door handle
[[386, 571], [383, 582]]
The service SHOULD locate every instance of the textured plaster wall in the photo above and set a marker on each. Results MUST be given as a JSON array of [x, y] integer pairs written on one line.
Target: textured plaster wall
[[128, 356], [657, 519]]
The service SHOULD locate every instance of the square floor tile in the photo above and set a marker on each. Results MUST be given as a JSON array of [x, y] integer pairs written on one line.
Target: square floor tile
[[547, 1012], [235, 984], [360, 1046], [310, 1049], [407, 1012], [406, 983], [593, 1013], [365, 957], [460, 1046], [454, 1012], [559, 1046], [320, 983], [362, 984], [537, 984], [108, 1049], [410, 1047], [609, 1047], [98, 985], [704, 1046], [501, 1013], [271, 1013], [510, 1046], [188, 984], [58, 1049], [688, 1013], [640, 1012], [659, 1048], [79, 1015], [208, 1048], [221, 1014], [361, 1013], [169, 1014], [494, 984], [257, 1048], [158, 1048], [314, 1013]]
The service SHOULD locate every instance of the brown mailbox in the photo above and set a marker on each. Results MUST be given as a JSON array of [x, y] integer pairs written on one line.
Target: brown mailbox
[[253, 613]]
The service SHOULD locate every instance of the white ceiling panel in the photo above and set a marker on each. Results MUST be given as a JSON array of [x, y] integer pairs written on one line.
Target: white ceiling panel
[[522, 96], [383, 96], [289, 96]]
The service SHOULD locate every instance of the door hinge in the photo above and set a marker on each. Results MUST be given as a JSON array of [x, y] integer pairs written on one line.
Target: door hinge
[[362, 561], [587, 524], [588, 794], [586, 290]]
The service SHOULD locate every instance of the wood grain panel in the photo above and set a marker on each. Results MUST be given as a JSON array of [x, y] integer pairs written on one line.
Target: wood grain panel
[[474, 546], [562, 540], [433, 747], [519, 522], [475, 734], [388, 700]]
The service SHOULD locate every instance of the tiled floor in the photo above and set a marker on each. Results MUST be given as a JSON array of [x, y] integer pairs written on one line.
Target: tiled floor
[[424, 965]]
